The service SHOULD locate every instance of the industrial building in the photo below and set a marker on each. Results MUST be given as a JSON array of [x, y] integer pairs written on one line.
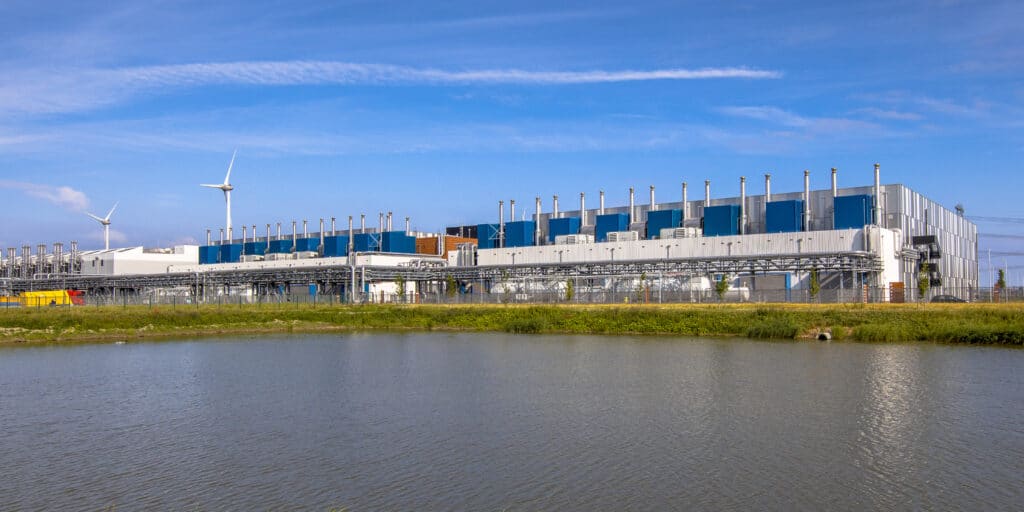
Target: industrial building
[[873, 242]]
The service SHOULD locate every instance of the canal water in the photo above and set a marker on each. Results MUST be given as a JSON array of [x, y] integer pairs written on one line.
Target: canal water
[[502, 422]]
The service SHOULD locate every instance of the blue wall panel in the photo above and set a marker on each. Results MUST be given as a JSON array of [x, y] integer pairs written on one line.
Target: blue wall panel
[[255, 248], [209, 254], [366, 242], [852, 212], [608, 223], [230, 253], [563, 226], [335, 246], [722, 220], [397, 242], [519, 233], [784, 216], [487, 236], [283, 246], [662, 219]]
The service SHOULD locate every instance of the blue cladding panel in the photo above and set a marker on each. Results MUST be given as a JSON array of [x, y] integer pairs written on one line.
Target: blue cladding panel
[[366, 242], [398, 242], [662, 219], [852, 212], [335, 246], [487, 236], [722, 220], [281, 246], [231, 253], [255, 248], [609, 223], [563, 226], [307, 245], [519, 233], [784, 216], [209, 254]]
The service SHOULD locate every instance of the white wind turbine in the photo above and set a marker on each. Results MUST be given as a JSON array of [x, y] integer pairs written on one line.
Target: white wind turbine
[[105, 222], [226, 188]]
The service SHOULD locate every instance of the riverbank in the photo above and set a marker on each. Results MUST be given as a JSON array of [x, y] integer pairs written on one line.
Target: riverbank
[[955, 323]]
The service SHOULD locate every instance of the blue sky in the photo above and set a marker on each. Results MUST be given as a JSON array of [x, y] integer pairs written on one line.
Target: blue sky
[[436, 110]]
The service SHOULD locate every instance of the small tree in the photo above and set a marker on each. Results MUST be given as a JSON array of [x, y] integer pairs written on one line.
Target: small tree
[[924, 282], [570, 290], [814, 287], [1001, 282], [451, 287], [400, 288], [640, 288], [721, 287]]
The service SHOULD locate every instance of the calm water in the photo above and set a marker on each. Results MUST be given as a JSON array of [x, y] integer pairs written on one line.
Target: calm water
[[499, 422]]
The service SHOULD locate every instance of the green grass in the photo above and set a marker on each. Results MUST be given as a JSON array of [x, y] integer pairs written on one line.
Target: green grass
[[957, 323]]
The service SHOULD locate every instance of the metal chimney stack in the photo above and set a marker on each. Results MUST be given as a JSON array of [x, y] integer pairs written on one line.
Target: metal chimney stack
[[268, 238], [380, 222], [835, 184], [221, 236], [362, 223], [536, 224], [407, 226], [501, 223], [583, 209], [807, 200], [74, 256], [58, 257], [389, 221], [600, 210], [512, 210], [231, 234], [707, 193], [26, 257], [351, 235], [878, 195], [209, 237], [686, 204], [295, 236], [305, 228], [743, 205], [41, 259], [334, 226], [554, 207], [654, 206], [278, 230], [767, 189], [632, 204], [244, 236], [321, 233]]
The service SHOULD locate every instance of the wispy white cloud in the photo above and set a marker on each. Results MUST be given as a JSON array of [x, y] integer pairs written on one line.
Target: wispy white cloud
[[789, 119], [84, 89], [63, 196], [892, 115]]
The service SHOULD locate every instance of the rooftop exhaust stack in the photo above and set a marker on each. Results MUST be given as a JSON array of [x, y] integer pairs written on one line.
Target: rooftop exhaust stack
[[807, 200], [295, 236], [707, 193], [632, 202], [743, 205], [536, 224], [245, 235], [362, 223], [407, 226], [268, 238], [380, 222], [767, 189], [878, 195], [351, 238], [654, 206], [209, 237], [279, 231], [389, 220], [583, 209], [221, 236], [321, 233], [600, 210], [512, 210], [835, 184], [334, 226], [305, 228], [554, 207], [686, 205], [231, 235], [501, 223]]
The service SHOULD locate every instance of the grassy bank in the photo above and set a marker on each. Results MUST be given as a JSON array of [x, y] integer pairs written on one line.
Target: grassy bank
[[957, 323]]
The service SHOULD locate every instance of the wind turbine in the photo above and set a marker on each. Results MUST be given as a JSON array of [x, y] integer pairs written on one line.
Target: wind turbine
[[105, 222], [226, 188]]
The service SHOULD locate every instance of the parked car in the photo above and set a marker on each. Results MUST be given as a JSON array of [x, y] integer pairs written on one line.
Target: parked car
[[947, 298]]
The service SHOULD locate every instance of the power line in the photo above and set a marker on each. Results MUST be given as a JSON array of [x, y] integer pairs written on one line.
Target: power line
[[1004, 220], [1001, 235]]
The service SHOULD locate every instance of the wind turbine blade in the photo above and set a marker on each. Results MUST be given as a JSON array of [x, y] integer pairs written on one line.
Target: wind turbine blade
[[112, 210], [227, 179], [212, 186], [98, 219]]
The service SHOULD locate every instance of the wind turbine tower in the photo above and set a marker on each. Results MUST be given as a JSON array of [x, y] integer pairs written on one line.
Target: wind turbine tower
[[105, 222], [226, 188]]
